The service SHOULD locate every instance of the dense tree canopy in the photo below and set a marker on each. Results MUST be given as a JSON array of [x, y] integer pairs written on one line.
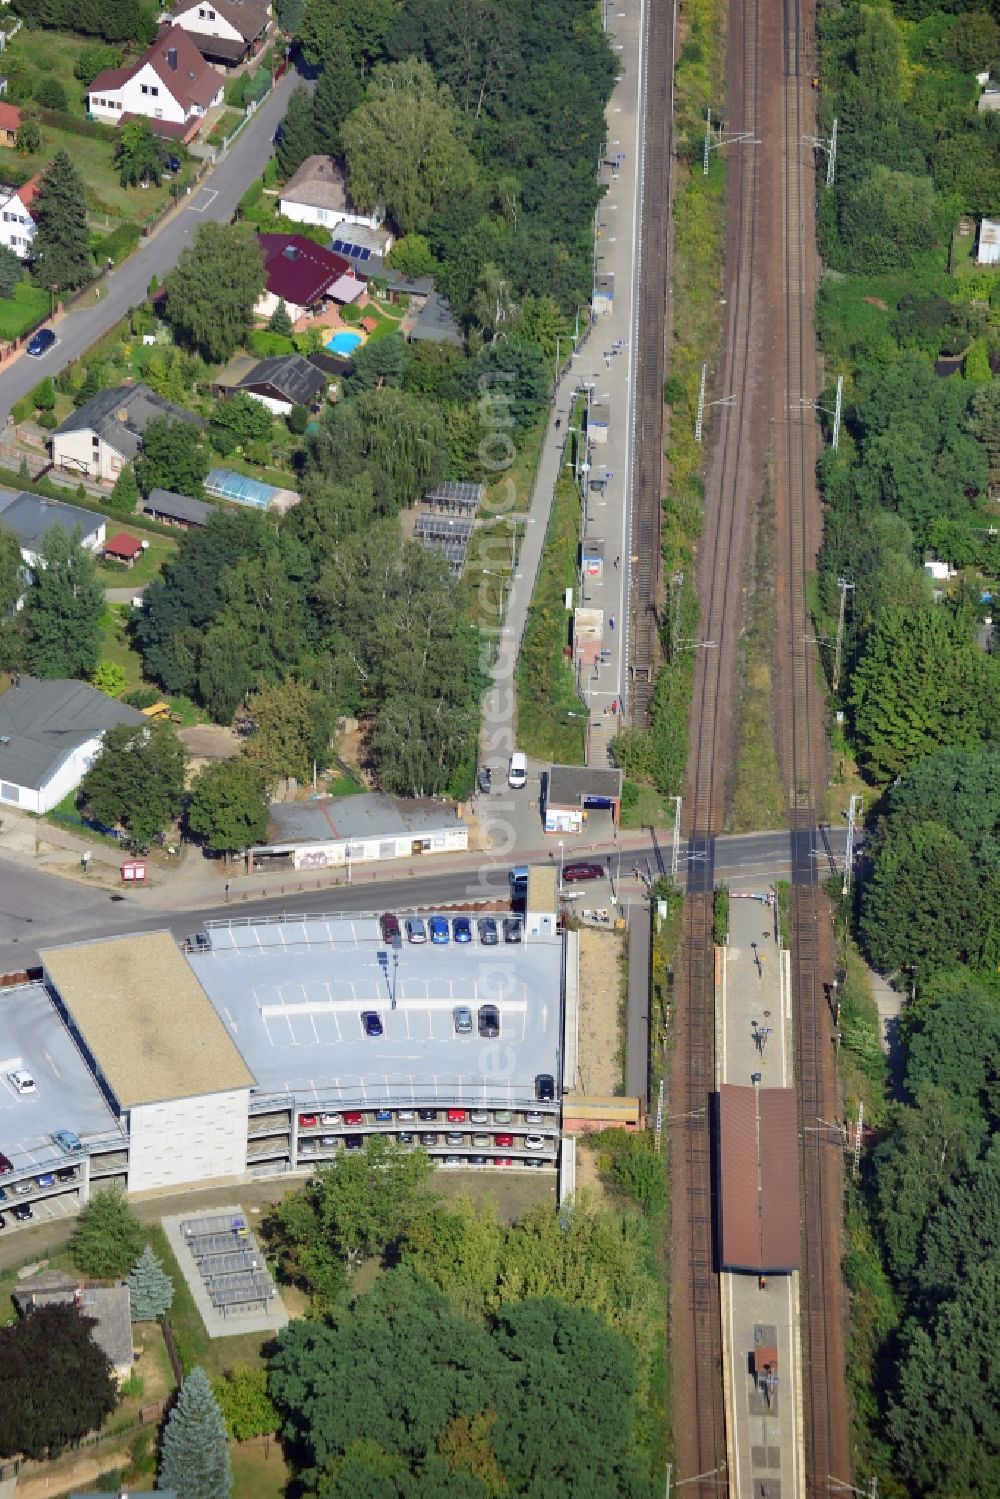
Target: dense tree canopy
[[61, 246], [63, 609], [137, 781], [57, 1383], [212, 291], [107, 1239]]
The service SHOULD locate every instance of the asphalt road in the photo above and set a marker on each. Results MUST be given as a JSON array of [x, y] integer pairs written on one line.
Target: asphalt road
[[216, 198], [39, 910]]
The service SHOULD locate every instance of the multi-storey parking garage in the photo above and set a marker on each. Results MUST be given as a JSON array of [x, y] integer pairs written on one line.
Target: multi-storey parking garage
[[270, 1047]]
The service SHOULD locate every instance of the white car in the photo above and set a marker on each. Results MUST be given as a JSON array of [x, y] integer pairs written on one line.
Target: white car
[[534, 1142], [21, 1081]]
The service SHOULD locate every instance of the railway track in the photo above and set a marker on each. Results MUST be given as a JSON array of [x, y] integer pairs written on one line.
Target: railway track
[[645, 563], [801, 725]]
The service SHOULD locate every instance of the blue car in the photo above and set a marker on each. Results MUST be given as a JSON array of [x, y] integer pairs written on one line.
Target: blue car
[[47, 1179], [41, 343], [372, 1022], [439, 930], [383, 1116], [461, 929]]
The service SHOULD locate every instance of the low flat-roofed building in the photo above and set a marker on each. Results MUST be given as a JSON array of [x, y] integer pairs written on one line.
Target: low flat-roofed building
[[179, 510], [159, 1050], [573, 791], [338, 831], [293, 992], [758, 1180]]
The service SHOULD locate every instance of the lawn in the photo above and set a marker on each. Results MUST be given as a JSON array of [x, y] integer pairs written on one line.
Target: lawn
[[159, 551], [107, 200], [117, 647], [511, 490], [256, 1476], [28, 306], [224, 126], [39, 55]]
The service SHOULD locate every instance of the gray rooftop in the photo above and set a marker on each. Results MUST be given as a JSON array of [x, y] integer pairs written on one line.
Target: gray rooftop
[[42, 722], [29, 516], [179, 507], [66, 1095], [599, 416], [320, 182], [571, 785], [291, 993], [110, 1307], [291, 375], [436, 323], [369, 815], [121, 415]]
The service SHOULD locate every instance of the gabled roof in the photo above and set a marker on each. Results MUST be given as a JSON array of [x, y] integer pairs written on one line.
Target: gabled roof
[[123, 545], [42, 722], [31, 515], [177, 63], [10, 117], [111, 1309], [179, 507], [120, 416], [297, 269], [320, 182], [290, 374], [248, 17], [436, 323]]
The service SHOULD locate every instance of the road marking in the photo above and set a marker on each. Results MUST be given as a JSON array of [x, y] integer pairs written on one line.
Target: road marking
[[209, 194]]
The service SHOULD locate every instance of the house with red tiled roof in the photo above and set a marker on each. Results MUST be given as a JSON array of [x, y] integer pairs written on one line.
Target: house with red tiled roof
[[10, 124], [171, 85], [300, 273], [17, 225]]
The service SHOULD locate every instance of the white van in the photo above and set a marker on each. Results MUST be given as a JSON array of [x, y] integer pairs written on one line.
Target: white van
[[517, 771]]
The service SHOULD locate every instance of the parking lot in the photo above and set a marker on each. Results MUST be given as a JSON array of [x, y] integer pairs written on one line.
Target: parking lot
[[65, 1095], [292, 995]]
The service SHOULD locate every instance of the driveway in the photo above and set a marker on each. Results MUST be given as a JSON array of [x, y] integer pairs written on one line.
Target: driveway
[[215, 198]]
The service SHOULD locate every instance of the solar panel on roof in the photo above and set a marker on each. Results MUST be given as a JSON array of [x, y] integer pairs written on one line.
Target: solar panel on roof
[[366, 254], [338, 244]]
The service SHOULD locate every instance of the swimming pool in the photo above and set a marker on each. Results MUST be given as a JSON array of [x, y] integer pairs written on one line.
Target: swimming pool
[[344, 342]]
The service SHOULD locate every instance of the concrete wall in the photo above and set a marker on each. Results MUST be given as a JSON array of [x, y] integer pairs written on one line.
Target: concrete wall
[[187, 1140]]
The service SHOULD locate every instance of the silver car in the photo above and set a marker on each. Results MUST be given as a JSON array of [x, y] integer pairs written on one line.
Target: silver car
[[463, 1020]]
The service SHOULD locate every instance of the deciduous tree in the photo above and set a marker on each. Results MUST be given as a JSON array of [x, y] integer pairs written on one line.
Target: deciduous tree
[[212, 291], [138, 153], [227, 807], [109, 677], [137, 781], [171, 457], [63, 609], [246, 1407], [57, 1383]]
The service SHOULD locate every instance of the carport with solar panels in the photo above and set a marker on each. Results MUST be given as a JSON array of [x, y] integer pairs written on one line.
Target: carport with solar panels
[[447, 520], [229, 1262]]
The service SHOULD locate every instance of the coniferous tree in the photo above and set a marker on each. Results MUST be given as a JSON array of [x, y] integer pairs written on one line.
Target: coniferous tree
[[338, 91], [194, 1460], [126, 491], [298, 137], [280, 320], [150, 1288], [61, 246]]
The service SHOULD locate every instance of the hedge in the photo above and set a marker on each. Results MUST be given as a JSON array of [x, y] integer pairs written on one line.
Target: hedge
[[117, 245], [64, 121], [264, 343]]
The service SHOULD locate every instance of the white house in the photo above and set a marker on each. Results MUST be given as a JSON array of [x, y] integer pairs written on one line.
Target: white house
[[224, 31], [317, 194], [29, 516], [989, 242], [17, 226], [105, 433], [50, 733], [171, 85]]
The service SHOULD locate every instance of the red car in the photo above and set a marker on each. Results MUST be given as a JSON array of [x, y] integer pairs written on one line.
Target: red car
[[308, 1121], [457, 1116], [503, 1139], [5, 1164], [582, 870], [354, 1116], [502, 1160]]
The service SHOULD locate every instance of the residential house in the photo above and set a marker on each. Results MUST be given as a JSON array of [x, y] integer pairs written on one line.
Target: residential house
[[226, 32], [179, 510], [284, 381], [50, 733], [317, 194], [989, 242], [30, 516], [109, 1307], [436, 323], [171, 85], [10, 123], [17, 226], [105, 433], [302, 274]]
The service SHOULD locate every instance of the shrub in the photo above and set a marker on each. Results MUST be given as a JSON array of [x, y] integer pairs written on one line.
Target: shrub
[[117, 245], [48, 420], [22, 409], [297, 420], [51, 94], [263, 344], [142, 697]]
